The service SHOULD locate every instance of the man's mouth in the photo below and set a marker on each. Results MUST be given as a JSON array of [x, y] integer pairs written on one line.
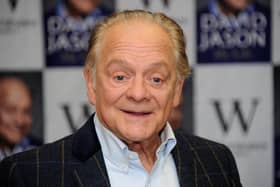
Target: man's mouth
[[136, 113]]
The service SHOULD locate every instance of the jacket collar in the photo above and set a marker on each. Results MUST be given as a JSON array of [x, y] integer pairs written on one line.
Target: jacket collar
[[185, 161], [85, 141], [86, 147]]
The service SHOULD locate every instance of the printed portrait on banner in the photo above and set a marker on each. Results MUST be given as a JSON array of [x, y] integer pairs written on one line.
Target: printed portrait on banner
[[67, 26], [21, 107], [233, 31]]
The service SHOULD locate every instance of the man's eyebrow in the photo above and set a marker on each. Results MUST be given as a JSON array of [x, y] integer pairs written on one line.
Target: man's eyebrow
[[159, 64], [124, 63], [117, 62]]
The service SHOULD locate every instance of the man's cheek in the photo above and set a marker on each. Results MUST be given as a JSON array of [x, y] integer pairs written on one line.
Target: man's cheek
[[7, 118]]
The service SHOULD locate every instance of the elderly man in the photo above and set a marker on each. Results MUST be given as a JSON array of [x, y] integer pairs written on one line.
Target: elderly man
[[15, 116], [135, 69]]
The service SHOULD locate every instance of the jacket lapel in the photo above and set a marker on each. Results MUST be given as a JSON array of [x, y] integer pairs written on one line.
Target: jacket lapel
[[92, 172], [185, 163], [86, 147]]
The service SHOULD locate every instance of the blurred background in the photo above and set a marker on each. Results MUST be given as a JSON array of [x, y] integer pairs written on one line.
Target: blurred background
[[232, 96]]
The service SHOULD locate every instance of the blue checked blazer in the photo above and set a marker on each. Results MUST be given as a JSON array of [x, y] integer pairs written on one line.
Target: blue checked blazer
[[77, 161]]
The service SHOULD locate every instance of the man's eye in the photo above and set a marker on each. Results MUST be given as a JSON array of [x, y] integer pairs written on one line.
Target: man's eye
[[119, 77], [156, 80]]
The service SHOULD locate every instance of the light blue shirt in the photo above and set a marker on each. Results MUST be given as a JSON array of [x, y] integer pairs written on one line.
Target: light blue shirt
[[23, 146], [124, 166]]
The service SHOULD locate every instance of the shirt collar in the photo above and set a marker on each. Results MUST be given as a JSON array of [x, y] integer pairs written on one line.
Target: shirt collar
[[24, 145], [117, 151], [168, 141]]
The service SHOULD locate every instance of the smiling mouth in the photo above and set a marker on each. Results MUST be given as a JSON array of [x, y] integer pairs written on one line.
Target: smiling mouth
[[135, 113]]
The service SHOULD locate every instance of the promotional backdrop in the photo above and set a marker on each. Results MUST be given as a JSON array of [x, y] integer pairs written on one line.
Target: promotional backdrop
[[232, 96]]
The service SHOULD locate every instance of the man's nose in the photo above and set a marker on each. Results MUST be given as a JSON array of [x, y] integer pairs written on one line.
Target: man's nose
[[22, 118], [19, 117], [138, 90]]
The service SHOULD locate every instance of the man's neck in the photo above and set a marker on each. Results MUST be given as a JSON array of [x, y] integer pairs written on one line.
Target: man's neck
[[5, 146], [146, 151]]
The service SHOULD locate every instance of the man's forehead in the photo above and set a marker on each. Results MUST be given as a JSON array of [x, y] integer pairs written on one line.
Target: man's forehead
[[11, 86], [12, 83], [137, 48], [124, 63]]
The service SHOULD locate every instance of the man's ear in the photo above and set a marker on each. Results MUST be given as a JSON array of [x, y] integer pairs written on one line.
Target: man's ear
[[90, 86], [178, 92]]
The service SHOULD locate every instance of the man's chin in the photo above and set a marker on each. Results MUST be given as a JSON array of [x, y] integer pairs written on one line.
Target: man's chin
[[137, 138], [14, 141]]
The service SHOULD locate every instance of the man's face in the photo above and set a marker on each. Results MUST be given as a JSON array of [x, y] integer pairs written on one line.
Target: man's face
[[15, 117], [237, 4], [83, 7], [135, 87]]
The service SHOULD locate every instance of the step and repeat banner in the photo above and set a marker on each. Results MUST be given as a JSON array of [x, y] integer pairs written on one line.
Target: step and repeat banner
[[232, 96]]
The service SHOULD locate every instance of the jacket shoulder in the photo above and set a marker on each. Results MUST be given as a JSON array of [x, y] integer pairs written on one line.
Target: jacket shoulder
[[197, 142], [213, 160], [47, 151], [47, 156], [204, 149]]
